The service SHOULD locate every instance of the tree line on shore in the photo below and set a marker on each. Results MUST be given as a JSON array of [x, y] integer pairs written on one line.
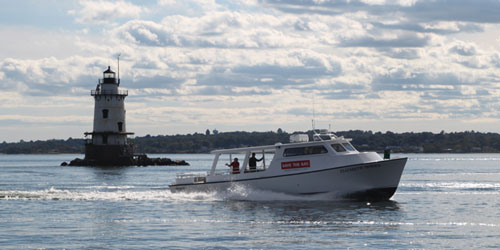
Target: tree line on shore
[[410, 142]]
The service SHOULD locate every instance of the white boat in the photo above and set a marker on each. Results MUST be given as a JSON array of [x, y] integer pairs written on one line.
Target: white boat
[[327, 164]]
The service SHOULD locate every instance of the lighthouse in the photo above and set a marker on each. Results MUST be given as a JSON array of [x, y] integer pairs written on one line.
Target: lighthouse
[[108, 143]]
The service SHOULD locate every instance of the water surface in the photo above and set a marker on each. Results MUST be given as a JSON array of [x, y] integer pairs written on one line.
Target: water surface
[[444, 201]]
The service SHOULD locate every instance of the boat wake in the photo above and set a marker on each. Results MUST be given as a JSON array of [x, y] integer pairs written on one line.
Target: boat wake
[[457, 187], [112, 194], [235, 193]]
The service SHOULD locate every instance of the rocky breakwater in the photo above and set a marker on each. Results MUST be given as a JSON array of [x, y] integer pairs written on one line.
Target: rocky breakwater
[[138, 160]]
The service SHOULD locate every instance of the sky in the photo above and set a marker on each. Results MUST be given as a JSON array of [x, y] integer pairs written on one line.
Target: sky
[[251, 65]]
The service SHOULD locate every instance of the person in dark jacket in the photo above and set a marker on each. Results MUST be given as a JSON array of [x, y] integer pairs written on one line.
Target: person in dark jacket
[[252, 162]]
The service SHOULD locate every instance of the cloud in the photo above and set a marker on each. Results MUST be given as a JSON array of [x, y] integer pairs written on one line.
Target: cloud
[[228, 91], [101, 11], [439, 27], [216, 30], [274, 69], [401, 53], [455, 10], [421, 11], [463, 49], [401, 41], [190, 61], [50, 76], [402, 80]]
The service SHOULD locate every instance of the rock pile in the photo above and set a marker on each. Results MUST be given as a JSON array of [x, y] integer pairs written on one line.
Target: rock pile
[[140, 160]]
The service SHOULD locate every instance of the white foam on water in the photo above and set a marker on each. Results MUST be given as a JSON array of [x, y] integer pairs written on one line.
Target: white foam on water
[[109, 187], [398, 223], [453, 185], [465, 158], [244, 193], [114, 193]]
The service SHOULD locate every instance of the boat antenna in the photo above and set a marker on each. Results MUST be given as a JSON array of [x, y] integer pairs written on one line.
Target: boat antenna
[[315, 133], [314, 117]]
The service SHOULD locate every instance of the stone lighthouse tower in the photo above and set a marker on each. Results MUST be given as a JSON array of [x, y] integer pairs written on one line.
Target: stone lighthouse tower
[[108, 143]]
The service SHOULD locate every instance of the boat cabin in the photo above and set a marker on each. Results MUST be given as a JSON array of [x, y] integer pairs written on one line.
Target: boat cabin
[[328, 163], [299, 150]]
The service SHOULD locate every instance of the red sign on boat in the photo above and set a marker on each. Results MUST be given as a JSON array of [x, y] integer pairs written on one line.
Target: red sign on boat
[[295, 164]]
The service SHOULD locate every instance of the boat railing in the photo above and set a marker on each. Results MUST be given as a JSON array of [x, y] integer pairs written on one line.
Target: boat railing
[[203, 174], [221, 172], [190, 175]]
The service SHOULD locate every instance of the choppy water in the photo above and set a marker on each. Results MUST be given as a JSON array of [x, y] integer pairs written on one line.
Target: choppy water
[[444, 201]]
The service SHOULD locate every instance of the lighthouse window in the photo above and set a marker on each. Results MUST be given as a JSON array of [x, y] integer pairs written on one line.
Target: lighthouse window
[[120, 126], [105, 113], [104, 139]]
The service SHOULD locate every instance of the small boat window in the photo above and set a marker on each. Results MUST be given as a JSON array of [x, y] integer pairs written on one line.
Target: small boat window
[[348, 146], [338, 148], [305, 151]]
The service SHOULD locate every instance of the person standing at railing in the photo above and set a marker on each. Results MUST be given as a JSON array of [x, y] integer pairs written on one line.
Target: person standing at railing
[[235, 166], [252, 162]]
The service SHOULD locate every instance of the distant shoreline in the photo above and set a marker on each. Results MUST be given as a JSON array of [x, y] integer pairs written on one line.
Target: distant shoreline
[[409, 142]]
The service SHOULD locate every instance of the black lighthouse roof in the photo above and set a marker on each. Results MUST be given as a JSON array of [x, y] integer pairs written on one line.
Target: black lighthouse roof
[[109, 70], [109, 77]]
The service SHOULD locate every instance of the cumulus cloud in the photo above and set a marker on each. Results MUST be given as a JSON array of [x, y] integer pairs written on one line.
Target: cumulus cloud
[[463, 49], [50, 76], [401, 53], [102, 11], [189, 61], [421, 11], [441, 27], [217, 30], [404, 40]]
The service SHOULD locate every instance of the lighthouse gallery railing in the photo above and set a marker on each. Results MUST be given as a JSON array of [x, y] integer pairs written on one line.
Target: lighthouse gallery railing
[[109, 92]]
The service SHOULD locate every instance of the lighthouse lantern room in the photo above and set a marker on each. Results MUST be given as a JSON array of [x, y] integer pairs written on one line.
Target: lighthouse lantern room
[[108, 143]]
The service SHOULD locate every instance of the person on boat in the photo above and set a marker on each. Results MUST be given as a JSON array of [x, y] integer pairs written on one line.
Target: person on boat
[[252, 162], [235, 165]]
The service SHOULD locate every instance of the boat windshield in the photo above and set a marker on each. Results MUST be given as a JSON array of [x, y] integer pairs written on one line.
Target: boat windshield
[[338, 148], [348, 146]]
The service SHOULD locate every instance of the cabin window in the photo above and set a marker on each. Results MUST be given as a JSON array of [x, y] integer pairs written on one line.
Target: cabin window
[[305, 151], [120, 126], [348, 146], [338, 148], [105, 113], [104, 139]]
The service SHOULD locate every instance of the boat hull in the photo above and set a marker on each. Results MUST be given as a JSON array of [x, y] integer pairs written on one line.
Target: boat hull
[[368, 181]]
